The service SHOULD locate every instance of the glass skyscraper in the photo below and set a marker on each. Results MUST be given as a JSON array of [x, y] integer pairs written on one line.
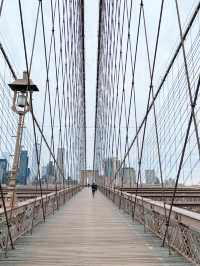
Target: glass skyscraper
[[24, 171], [3, 170]]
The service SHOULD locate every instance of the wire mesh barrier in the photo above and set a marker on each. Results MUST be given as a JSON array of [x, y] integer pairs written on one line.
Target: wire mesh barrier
[[29, 214], [183, 232], [147, 115], [157, 142], [43, 114]]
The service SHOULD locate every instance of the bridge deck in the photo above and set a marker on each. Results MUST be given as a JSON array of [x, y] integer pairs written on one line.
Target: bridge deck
[[90, 232]]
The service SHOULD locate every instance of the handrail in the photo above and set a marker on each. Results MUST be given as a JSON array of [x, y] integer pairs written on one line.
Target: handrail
[[36, 199], [28, 214], [184, 227]]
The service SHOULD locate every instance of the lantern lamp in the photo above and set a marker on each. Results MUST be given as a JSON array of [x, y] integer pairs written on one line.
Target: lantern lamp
[[21, 85]]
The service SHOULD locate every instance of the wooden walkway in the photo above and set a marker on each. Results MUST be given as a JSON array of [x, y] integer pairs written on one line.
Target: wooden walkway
[[90, 232]]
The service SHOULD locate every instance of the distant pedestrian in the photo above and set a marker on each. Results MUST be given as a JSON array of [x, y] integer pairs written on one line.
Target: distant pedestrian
[[94, 188]]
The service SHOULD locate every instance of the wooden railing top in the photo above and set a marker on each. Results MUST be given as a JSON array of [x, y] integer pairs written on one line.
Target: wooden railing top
[[27, 202], [186, 217]]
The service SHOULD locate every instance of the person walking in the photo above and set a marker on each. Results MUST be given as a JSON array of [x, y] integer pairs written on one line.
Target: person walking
[[94, 189]]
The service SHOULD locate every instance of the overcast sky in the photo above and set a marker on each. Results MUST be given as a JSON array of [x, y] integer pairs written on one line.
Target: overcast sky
[[91, 31]]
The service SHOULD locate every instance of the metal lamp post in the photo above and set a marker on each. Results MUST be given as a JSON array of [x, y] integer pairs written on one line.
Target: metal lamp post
[[23, 89]]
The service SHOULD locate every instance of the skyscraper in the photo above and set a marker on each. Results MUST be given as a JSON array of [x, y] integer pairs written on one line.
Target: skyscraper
[[3, 170], [129, 176], [108, 167], [34, 164], [50, 169], [111, 165], [150, 176], [23, 171], [44, 171], [60, 164]]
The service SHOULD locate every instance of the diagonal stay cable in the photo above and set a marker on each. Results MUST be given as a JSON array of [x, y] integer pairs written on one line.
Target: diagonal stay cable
[[149, 95], [182, 157], [155, 116], [187, 75], [192, 118]]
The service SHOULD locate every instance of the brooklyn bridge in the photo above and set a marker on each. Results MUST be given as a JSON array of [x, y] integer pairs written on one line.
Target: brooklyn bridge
[[99, 132]]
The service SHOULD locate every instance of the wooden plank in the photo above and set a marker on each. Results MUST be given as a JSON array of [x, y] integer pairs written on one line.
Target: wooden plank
[[90, 232]]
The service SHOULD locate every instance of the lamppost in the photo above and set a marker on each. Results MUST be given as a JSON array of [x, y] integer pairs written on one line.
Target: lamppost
[[23, 89]]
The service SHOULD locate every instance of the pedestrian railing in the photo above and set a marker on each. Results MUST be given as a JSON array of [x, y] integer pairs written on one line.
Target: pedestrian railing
[[184, 226], [23, 218]]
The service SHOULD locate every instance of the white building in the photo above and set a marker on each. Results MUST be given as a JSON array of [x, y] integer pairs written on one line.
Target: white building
[[150, 176]]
